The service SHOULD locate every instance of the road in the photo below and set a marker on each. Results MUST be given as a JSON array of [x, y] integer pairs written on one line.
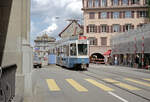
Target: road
[[100, 83]]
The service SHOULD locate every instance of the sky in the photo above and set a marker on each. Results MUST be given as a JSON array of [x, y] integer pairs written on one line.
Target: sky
[[50, 16]]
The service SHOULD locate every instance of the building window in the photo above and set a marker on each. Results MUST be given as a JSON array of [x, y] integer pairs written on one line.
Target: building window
[[104, 41], [115, 14], [135, 1], [96, 3], [104, 28], [103, 2], [124, 2], [128, 27], [115, 2], [116, 28], [103, 15], [90, 3], [143, 14], [91, 15], [92, 40], [128, 14], [92, 28]]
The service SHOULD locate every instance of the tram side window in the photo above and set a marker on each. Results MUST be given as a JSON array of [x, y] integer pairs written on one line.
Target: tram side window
[[82, 49], [67, 50], [73, 49]]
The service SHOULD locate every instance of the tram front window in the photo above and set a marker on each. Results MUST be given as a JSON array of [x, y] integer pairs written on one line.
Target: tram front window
[[73, 51], [82, 49]]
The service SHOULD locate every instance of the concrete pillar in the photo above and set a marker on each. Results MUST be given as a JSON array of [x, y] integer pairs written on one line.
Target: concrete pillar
[[27, 66], [15, 30]]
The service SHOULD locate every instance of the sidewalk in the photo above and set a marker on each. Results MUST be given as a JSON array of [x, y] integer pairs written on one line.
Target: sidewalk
[[122, 67]]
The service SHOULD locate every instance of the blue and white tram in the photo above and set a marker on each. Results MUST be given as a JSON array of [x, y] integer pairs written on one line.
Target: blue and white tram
[[73, 53]]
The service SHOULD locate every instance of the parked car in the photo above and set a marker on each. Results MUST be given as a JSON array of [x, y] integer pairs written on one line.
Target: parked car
[[37, 62]]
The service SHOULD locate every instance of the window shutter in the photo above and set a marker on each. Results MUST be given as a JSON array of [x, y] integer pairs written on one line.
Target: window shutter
[[106, 3], [111, 14], [99, 29], [99, 3], [137, 14], [87, 4], [112, 2], [123, 28], [99, 15], [128, 2], [132, 14], [94, 3], [108, 15], [87, 29], [120, 14], [120, 28], [123, 14], [95, 29], [111, 28], [107, 29]]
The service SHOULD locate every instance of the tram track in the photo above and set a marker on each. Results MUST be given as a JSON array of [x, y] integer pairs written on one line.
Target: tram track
[[120, 74], [100, 79]]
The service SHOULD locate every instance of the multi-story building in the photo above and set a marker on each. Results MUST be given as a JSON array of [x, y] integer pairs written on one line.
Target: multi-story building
[[105, 18], [42, 46]]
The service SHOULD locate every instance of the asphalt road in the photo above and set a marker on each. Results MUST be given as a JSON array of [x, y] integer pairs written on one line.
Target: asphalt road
[[99, 84]]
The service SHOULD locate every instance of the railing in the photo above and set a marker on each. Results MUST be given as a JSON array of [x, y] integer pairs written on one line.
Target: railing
[[7, 83]]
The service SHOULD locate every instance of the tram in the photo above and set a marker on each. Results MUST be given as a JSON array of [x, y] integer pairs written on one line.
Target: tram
[[72, 52]]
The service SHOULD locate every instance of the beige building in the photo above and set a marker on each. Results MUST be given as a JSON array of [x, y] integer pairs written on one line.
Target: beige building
[[42, 46], [105, 18]]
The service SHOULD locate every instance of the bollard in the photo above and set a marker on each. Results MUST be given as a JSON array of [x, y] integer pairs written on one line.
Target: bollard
[[7, 83]]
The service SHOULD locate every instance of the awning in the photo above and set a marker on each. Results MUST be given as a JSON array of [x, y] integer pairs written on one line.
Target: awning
[[107, 52]]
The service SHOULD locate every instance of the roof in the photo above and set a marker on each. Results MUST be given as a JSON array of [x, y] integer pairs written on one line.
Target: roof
[[69, 26]]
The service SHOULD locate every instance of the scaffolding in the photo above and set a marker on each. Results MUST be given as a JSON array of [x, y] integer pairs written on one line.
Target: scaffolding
[[127, 46], [133, 41]]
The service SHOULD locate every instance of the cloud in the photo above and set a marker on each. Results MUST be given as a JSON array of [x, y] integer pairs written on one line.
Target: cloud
[[50, 29], [74, 7], [44, 13]]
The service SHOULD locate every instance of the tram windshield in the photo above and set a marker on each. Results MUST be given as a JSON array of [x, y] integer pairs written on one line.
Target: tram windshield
[[73, 51], [82, 49]]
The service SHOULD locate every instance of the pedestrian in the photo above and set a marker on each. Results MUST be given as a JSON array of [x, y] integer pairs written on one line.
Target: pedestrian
[[116, 60], [137, 61]]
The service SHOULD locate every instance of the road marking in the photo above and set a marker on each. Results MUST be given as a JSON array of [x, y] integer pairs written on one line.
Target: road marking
[[138, 82], [103, 87], [115, 95], [110, 80], [146, 79], [123, 85], [52, 85], [76, 85]]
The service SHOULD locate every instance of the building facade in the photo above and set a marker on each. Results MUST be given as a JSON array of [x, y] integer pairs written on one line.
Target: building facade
[[42, 46], [106, 18]]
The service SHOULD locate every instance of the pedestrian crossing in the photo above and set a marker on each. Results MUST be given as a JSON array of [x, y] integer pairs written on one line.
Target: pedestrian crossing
[[105, 85]]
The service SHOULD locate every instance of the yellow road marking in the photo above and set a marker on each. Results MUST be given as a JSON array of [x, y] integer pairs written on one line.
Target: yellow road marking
[[103, 87], [76, 85], [138, 82], [52, 85], [129, 87], [123, 85], [146, 79], [110, 80]]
